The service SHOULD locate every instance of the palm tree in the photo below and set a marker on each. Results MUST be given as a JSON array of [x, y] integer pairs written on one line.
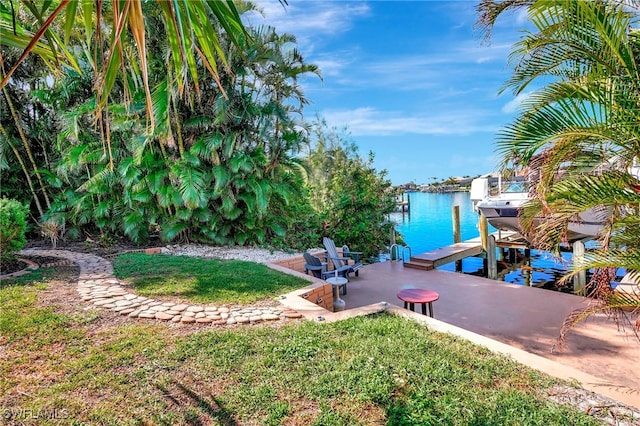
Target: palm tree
[[580, 129], [20, 118], [188, 30], [223, 131], [212, 170], [119, 59]]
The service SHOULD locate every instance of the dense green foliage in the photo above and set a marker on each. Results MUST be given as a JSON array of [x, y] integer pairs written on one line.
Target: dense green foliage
[[219, 158], [113, 39], [352, 198], [368, 370], [578, 130], [212, 171], [13, 226]]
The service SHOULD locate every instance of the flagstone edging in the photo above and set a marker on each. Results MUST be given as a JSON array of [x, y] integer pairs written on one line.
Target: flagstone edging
[[97, 285], [30, 266]]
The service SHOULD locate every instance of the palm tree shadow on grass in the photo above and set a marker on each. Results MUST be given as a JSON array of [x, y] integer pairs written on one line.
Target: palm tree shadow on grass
[[194, 406]]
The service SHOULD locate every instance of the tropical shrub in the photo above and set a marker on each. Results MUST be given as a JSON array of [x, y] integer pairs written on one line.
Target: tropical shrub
[[578, 133], [357, 213], [351, 197], [303, 225], [12, 229], [219, 168]]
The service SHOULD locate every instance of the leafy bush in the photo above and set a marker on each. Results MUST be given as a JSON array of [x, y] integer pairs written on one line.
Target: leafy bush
[[12, 229], [356, 215], [352, 198], [303, 226]]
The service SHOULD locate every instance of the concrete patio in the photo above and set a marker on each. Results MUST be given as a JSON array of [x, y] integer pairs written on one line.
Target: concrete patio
[[528, 319]]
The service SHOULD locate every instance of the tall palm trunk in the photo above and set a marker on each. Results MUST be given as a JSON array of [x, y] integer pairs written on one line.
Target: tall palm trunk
[[27, 148], [24, 169], [178, 129]]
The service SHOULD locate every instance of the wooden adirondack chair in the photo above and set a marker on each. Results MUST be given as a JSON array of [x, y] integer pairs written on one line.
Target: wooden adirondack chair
[[341, 263], [317, 267]]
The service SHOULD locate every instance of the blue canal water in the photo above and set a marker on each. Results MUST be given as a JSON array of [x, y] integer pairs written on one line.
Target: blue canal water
[[429, 225]]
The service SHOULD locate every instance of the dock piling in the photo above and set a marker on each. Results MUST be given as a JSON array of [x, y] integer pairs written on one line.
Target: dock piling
[[455, 215], [580, 279], [492, 265]]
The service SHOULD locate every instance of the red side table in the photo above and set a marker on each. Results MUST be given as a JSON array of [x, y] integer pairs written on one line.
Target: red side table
[[418, 295]]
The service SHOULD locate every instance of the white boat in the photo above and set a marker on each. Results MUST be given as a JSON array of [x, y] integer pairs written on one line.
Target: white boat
[[502, 210]]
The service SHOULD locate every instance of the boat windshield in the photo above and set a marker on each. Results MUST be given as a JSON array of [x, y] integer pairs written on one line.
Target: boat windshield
[[515, 187]]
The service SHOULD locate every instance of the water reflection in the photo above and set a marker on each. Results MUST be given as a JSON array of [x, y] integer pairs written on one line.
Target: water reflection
[[429, 225]]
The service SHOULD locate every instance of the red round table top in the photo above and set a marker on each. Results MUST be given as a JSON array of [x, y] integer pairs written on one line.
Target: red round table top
[[417, 295]]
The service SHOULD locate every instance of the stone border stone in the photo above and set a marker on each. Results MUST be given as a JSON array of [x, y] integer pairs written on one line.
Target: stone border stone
[[97, 285], [31, 266]]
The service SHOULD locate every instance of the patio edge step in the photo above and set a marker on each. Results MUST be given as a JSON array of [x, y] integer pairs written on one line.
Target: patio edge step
[[423, 265]]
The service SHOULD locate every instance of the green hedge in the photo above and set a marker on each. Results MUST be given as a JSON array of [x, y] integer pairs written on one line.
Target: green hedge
[[12, 229]]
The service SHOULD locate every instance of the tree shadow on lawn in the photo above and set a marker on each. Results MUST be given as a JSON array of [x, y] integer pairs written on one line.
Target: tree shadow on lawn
[[195, 408]]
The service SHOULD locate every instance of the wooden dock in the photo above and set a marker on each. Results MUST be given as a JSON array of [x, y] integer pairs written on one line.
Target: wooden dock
[[402, 206], [444, 255], [458, 251]]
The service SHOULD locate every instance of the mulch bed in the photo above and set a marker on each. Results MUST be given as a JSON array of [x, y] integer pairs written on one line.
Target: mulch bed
[[87, 246], [12, 266], [92, 247]]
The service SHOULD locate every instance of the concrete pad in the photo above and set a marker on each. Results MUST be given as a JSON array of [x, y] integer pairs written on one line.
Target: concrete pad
[[523, 320]]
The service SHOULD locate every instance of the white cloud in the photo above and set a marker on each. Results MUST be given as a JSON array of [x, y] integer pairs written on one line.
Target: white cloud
[[514, 104], [310, 18], [314, 24], [372, 122], [522, 16], [331, 65]]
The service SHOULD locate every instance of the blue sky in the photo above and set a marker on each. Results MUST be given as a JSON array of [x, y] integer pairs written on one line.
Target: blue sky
[[411, 80]]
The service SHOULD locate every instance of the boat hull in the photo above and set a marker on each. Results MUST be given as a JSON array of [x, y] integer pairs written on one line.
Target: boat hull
[[503, 210], [502, 218], [589, 225]]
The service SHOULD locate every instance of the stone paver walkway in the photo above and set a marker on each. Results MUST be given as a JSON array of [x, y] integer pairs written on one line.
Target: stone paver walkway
[[97, 285]]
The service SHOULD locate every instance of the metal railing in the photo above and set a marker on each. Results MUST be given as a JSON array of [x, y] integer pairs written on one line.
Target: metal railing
[[403, 250], [396, 254]]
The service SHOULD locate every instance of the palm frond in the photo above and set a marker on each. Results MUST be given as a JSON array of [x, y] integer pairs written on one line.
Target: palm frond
[[191, 184]]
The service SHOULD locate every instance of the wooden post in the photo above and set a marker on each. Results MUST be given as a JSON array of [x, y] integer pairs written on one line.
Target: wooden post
[[528, 271], [484, 230], [580, 279], [455, 215], [492, 266], [483, 227]]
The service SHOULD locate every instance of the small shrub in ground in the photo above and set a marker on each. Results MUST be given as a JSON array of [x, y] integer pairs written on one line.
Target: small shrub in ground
[[303, 227], [53, 230], [352, 199], [12, 229]]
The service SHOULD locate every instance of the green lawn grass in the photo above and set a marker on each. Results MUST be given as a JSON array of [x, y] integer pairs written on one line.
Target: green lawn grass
[[203, 280], [84, 367]]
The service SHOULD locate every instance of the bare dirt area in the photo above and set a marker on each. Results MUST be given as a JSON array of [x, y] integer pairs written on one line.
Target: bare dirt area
[[92, 246], [11, 267]]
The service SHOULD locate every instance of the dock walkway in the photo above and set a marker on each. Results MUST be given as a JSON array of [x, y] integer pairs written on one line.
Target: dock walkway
[[442, 256], [458, 251]]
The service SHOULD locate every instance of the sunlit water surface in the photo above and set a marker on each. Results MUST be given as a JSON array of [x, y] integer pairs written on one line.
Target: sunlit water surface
[[429, 225]]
